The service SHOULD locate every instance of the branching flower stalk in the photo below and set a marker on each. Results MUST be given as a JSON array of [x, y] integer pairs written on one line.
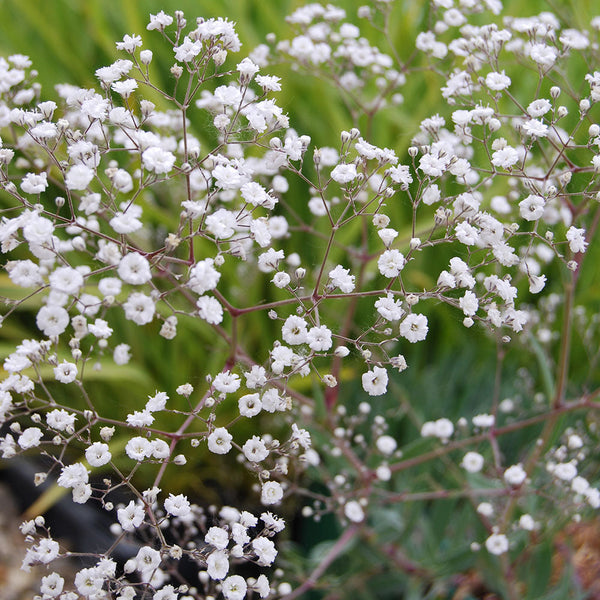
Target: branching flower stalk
[[299, 280]]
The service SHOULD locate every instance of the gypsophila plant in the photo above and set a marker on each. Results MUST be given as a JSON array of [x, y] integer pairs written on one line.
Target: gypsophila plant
[[313, 276]]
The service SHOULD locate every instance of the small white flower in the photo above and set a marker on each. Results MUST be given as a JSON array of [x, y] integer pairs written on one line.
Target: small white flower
[[472, 462], [272, 493], [515, 475], [30, 438], [255, 450], [217, 537], [131, 516], [217, 564], [138, 448], [386, 444], [219, 441], [497, 544], [375, 382], [390, 263], [414, 327], [319, 338], [98, 454], [343, 174], [65, 372], [576, 239], [134, 269], [354, 511], [178, 506], [234, 588], [79, 177]]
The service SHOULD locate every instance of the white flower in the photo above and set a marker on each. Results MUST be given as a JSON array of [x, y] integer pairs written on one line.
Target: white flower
[[100, 329], [565, 471], [217, 564], [538, 108], [66, 280], [535, 128], [390, 263], [414, 327], [389, 309], [188, 50], [210, 309], [52, 320], [354, 511], [249, 405], [341, 278], [219, 441], [131, 516], [265, 551], [157, 160], [484, 420], [38, 230], [160, 449], [247, 68], [138, 448], [147, 559], [65, 372], [157, 402], [139, 308], [515, 475], [217, 537], [269, 260], [506, 157], [497, 81], [271, 493], [319, 338], [344, 173], [386, 444], [472, 462], [140, 418], [281, 279], [527, 523], [294, 330], [52, 585], [134, 269], [255, 450], [34, 183], [576, 239], [234, 588], [469, 303], [543, 55], [227, 382], [431, 194], [159, 21], [121, 354], [24, 273], [47, 550], [178, 506], [497, 544], [79, 177], [73, 475], [30, 438], [375, 382], [89, 582], [60, 419]]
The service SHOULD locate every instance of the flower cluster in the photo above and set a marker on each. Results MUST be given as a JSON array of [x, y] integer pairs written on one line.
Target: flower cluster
[[166, 216]]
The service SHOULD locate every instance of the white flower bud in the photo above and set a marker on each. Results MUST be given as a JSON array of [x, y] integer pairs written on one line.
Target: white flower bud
[[146, 57]]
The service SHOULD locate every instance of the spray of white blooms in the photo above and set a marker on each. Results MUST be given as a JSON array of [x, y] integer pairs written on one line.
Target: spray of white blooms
[[501, 184]]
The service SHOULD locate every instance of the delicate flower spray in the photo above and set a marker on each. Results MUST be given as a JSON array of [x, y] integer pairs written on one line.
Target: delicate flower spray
[[505, 187]]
